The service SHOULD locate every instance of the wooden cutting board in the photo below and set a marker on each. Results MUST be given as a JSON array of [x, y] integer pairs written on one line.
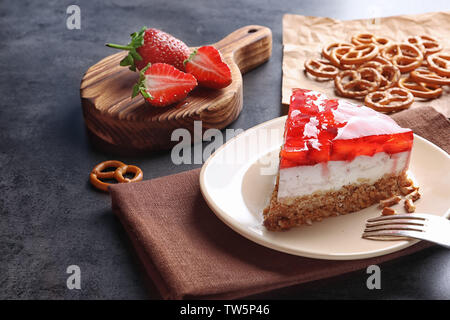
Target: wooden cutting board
[[122, 124]]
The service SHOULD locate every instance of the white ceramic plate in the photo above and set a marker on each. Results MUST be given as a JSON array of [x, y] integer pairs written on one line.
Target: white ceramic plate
[[237, 182]]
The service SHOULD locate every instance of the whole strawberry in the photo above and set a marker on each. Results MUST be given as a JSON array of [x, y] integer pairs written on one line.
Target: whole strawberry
[[208, 68], [162, 84], [152, 46]]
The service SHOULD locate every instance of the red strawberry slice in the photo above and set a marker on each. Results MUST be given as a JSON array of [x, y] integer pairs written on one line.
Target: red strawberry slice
[[207, 66], [162, 84], [153, 46]]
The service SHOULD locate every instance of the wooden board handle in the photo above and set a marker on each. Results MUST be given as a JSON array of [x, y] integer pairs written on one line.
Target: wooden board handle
[[250, 46]]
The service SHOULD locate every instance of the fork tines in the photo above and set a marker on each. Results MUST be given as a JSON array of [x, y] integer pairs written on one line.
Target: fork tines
[[394, 226], [416, 216], [417, 226], [404, 222]]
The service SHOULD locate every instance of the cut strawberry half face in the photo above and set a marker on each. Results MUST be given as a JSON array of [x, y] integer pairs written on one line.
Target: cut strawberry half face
[[162, 84], [209, 69]]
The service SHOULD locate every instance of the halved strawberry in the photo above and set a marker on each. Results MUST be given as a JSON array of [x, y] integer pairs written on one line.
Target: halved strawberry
[[162, 84], [207, 66]]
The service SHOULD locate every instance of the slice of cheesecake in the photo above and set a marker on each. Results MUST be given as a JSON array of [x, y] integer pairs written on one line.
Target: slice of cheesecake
[[337, 158]]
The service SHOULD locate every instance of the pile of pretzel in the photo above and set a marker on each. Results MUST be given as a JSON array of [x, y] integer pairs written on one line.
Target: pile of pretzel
[[386, 74]]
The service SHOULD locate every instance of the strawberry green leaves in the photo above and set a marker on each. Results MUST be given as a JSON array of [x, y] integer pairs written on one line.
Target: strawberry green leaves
[[139, 87], [137, 40]]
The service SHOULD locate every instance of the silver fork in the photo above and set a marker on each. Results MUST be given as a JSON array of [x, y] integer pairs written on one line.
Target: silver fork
[[402, 226]]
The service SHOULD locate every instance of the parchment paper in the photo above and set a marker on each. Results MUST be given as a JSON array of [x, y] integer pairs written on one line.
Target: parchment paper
[[304, 37]]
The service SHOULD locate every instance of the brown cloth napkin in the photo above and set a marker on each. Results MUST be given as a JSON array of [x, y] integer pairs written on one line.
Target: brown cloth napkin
[[190, 254]]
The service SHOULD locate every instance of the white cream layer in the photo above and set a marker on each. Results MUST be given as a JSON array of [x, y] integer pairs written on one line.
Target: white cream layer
[[333, 175]]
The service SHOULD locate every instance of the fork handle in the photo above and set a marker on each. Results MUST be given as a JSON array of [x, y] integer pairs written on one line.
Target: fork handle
[[443, 240]]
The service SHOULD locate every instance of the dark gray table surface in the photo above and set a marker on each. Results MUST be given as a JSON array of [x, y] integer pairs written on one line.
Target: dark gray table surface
[[51, 218]]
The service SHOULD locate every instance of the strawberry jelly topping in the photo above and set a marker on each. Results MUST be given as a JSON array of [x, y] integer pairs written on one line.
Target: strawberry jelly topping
[[319, 130]]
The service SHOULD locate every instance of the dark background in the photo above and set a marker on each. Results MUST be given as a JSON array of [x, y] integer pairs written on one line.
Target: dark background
[[51, 218]]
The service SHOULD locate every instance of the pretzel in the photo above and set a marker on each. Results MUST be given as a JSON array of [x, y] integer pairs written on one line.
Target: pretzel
[[428, 45], [423, 74], [373, 64], [98, 169], [362, 38], [389, 76], [368, 38], [121, 168], [118, 174], [420, 89], [389, 73], [321, 68], [379, 58], [393, 99], [370, 67], [404, 56], [440, 63], [326, 51], [336, 56], [361, 82], [425, 64], [360, 54]]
